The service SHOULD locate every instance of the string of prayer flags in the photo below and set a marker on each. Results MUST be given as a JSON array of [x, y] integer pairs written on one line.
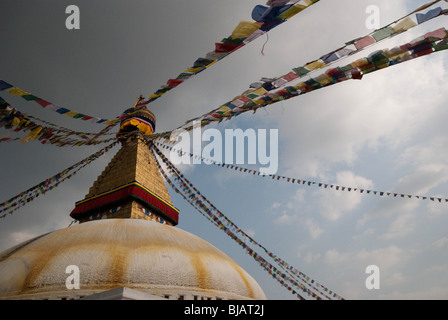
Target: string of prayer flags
[[245, 32], [429, 43], [232, 230], [260, 92], [204, 211], [226, 224], [58, 127], [16, 121], [309, 183], [51, 183], [15, 91], [206, 208]]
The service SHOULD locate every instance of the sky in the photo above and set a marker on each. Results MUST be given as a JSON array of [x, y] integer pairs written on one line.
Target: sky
[[386, 132]]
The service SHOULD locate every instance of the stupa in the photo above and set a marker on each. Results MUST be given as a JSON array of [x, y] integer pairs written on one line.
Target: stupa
[[126, 245]]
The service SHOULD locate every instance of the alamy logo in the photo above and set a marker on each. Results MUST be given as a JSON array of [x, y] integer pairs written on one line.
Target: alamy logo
[[373, 280], [240, 147], [72, 21], [72, 281], [373, 20]]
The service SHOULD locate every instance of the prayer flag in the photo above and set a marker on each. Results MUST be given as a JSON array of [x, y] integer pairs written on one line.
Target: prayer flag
[[258, 13], [330, 57], [290, 76], [291, 11], [422, 17], [344, 52], [17, 92], [71, 114], [403, 25], [244, 29], [253, 36], [364, 42], [382, 33], [4, 85], [29, 97], [62, 110], [436, 34], [174, 82], [315, 65], [301, 71]]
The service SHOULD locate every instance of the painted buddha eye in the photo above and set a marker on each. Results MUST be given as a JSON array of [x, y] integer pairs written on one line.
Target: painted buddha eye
[[94, 217], [114, 209]]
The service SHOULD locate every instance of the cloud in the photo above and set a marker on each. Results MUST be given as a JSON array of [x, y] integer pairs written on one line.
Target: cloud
[[284, 219], [314, 229], [441, 243], [350, 268], [335, 204], [311, 257], [333, 125], [403, 225], [395, 278], [287, 212]]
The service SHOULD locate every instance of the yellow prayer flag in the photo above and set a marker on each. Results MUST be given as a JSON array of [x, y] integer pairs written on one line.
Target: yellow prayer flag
[[23, 123], [213, 62], [323, 79], [300, 86], [401, 56], [295, 9], [244, 29], [260, 91], [359, 63], [153, 95], [224, 108], [15, 122], [31, 135], [71, 114], [17, 92], [315, 65], [194, 69], [403, 25]]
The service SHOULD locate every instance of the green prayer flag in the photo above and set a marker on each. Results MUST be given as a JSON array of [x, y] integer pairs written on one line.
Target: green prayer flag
[[29, 97], [382, 33]]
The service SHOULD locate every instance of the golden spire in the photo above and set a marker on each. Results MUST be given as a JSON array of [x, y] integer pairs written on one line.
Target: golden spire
[[140, 98], [131, 185]]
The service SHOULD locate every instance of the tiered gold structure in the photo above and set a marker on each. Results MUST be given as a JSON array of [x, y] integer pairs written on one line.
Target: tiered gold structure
[[133, 167]]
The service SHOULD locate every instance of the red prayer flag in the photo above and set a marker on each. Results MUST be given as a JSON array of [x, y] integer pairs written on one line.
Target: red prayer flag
[[174, 82], [42, 102], [364, 42], [290, 76], [225, 47]]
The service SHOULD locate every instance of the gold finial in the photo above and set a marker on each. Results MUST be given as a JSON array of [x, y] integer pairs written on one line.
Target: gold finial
[[140, 98]]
